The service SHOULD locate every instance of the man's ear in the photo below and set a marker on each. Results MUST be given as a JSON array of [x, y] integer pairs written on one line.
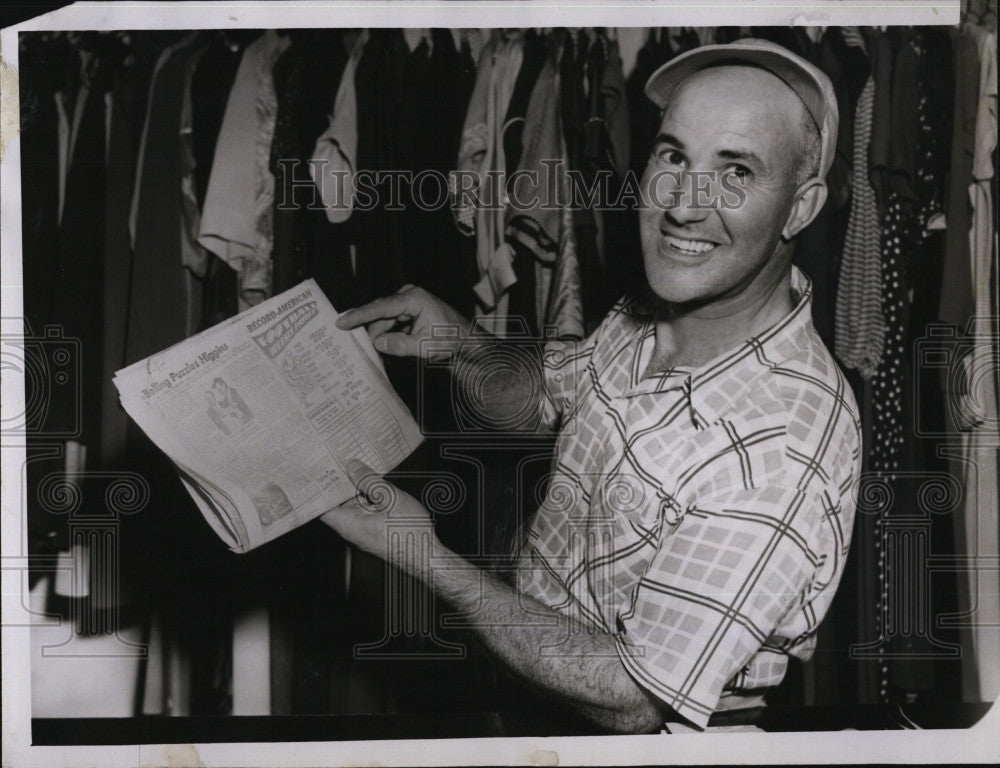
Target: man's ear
[[811, 197]]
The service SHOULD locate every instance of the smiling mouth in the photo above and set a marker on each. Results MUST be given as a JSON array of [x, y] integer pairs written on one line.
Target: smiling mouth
[[689, 247]]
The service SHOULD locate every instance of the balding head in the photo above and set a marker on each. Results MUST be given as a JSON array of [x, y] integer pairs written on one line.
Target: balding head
[[754, 94]]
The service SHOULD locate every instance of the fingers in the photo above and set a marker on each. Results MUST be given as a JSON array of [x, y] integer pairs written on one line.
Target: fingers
[[397, 344], [361, 474], [404, 302], [379, 494], [341, 518]]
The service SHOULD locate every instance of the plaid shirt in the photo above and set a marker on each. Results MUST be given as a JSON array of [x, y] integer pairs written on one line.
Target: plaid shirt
[[702, 517]]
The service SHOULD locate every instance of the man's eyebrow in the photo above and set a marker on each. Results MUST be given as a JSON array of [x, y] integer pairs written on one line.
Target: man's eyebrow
[[741, 154], [746, 155], [668, 138]]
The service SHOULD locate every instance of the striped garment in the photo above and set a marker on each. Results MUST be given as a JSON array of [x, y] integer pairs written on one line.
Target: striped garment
[[702, 517], [859, 327]]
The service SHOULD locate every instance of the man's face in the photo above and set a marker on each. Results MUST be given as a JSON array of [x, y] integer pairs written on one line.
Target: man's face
[[741, 123]]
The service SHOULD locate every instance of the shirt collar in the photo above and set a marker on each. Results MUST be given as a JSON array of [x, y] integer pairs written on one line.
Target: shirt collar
[[714, 388]]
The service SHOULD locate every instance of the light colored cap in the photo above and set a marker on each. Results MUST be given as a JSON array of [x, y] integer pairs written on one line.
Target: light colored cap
[[808, 81]]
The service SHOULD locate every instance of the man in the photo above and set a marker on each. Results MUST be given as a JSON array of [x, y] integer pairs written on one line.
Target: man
[[698, 519]]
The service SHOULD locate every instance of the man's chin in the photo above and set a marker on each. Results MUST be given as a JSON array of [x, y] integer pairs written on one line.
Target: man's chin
[[682, 292]]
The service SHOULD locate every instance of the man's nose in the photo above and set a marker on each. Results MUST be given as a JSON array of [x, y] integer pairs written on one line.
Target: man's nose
[[678, 198]]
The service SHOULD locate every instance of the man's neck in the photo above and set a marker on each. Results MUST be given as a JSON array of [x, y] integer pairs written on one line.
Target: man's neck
[[689, 337]]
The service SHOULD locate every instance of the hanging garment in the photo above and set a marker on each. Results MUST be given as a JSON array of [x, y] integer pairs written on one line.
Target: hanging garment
[[39, 175], [77, 278], [126, 119], [305, 78], [859, 328], [900, 237], [645, 115], [237, 216], [957, 304], [353, 261], [161, 287], [630, 41], [211, 82], [617, 241], [524, 232], [574, 49], [878, 162], [75, 271], [428, 122], [536, 52], [914, 200], [544, 250], [335, 156], [560, 302], [480, 153], [193, 255], [581, 72], [979, 404], [615, 108], [596, 152]]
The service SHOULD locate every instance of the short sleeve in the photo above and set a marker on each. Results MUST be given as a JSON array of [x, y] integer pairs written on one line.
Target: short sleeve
[[719, 585]]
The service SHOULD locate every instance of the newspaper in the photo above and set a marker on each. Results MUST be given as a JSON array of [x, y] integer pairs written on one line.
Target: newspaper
[[260, 412]]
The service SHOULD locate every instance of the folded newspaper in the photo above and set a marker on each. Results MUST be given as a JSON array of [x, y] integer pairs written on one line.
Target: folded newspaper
[[260, 412]]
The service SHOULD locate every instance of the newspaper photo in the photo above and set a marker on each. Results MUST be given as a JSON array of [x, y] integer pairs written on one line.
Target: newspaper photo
[[260, 412]]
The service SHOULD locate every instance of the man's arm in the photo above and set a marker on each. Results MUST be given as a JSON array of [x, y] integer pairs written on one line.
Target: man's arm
[[498, 379], [505, 382], [579, 666]]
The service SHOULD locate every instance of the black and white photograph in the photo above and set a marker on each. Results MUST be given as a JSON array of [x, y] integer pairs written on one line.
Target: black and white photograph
[[396, 384]]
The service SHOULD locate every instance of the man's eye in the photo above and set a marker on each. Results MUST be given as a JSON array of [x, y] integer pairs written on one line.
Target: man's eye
[[670, 157], [739, 172]]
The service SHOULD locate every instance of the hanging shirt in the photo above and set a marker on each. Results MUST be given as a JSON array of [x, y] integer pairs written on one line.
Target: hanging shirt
[[481, 152], [541, 235], [237, 211], [335, 157]]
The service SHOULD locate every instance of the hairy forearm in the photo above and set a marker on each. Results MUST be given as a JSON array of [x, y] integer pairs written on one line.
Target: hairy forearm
[[578, 665], [503, 381]]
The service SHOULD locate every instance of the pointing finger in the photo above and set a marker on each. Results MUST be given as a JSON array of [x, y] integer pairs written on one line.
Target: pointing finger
[[388, 307], [397, 344]]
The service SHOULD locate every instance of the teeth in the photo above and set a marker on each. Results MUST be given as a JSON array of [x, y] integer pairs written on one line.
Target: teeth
[[691, 246]]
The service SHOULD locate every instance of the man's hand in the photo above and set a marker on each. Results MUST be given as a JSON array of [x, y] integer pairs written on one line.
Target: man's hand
[[505, 385], [398, 323], [385, 521]]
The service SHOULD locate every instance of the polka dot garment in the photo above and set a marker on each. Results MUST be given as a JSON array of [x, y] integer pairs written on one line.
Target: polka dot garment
[[904, 228]]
